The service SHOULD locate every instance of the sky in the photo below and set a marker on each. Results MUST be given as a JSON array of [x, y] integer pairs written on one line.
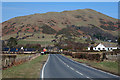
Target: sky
[[15, 9], [60, 0]]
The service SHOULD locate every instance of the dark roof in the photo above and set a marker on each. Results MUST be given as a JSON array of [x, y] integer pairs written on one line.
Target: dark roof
[[11, 50], [5, 49], [94, 45], [14, 49], [29, 49], [17, 49], [109, 45]]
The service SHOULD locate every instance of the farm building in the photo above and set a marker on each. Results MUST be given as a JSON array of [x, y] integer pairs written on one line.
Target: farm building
[[103, 46]]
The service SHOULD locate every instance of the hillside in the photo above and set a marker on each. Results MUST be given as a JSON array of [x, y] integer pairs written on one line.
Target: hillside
[[85, 23]]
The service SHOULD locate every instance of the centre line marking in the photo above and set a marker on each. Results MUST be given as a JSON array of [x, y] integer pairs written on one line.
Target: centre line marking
[[89, 78], [79, 73], [93, 68], [69, 66]]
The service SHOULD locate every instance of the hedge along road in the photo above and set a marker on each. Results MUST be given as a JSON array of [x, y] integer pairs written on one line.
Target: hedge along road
[[58, 66]]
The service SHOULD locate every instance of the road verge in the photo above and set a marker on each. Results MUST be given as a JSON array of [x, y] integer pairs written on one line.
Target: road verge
[[30, 69], [107, 66]]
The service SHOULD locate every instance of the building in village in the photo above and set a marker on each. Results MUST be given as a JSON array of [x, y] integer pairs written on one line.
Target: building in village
[[18, 50], [103, 46]]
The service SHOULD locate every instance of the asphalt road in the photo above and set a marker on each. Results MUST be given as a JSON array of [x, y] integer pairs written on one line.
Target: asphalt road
[[58, 66]]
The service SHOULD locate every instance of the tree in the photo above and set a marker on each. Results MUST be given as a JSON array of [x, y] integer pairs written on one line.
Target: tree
[[3, 44], [119, 41], [12, 42], [92, 42]]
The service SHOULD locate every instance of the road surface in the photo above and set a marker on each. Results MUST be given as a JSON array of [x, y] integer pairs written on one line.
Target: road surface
[[58, 66]]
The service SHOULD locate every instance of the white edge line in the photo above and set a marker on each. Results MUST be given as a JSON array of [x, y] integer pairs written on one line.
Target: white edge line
[[93, 68], [44, 67]]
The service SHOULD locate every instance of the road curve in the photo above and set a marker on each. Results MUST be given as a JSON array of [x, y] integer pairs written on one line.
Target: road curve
[[58, 66]]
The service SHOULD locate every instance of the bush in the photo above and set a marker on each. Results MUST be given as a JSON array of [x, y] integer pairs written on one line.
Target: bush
[[48, 30], [86, 56]]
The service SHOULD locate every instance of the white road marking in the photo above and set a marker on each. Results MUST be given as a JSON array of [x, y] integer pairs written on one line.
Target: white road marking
[[64, 63], [79, 72], [71, 68], [93, 68], [89, 78], [44, 67], [68, 66]]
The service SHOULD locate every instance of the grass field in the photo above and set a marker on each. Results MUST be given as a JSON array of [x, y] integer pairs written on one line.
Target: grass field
[[24, 42], [109, 66], [30, 69]]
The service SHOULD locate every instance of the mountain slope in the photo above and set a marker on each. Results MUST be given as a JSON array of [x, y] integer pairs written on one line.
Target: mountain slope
[[86, 22]]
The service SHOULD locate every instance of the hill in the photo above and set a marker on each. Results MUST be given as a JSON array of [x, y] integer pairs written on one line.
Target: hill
[[81, 23]]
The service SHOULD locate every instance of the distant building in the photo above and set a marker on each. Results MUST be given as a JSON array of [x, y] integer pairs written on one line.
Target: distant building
[[19, 50], [29, 50], [103, 46], [12, 50]]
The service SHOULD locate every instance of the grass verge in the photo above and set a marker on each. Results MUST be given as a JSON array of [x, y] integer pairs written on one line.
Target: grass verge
[[108, 66], [30, 69]]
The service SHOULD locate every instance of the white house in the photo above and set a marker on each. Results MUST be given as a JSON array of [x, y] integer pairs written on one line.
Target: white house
[[103, 46]]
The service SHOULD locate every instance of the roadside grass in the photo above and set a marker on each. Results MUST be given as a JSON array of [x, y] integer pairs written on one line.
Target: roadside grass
[[109, 66], [30, 69]]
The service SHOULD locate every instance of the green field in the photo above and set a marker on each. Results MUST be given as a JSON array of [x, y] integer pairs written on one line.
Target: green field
[[24, 42], [36, 39], [30, 69]]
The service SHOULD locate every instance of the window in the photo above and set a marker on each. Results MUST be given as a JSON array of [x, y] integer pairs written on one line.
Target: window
[[98, 48]]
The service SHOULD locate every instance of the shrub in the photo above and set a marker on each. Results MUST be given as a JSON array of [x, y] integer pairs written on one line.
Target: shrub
[[48, 30], [86, 56]]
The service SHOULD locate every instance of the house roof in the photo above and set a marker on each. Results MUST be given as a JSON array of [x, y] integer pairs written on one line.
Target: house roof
[[29, 49], [11, 50], [14, 49], [94, 45], [5, 49], [105, 44], [17, 49], [109, 45]]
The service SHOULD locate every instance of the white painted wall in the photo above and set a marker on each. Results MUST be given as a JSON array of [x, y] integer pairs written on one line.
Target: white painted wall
[[102, 47], [99, 47], [88, 48]]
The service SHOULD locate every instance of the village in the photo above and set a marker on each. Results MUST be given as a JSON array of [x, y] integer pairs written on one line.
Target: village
[[60, 40], [97, 51]]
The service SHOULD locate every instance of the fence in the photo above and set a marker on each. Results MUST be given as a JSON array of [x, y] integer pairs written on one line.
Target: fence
[[12, 59]]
